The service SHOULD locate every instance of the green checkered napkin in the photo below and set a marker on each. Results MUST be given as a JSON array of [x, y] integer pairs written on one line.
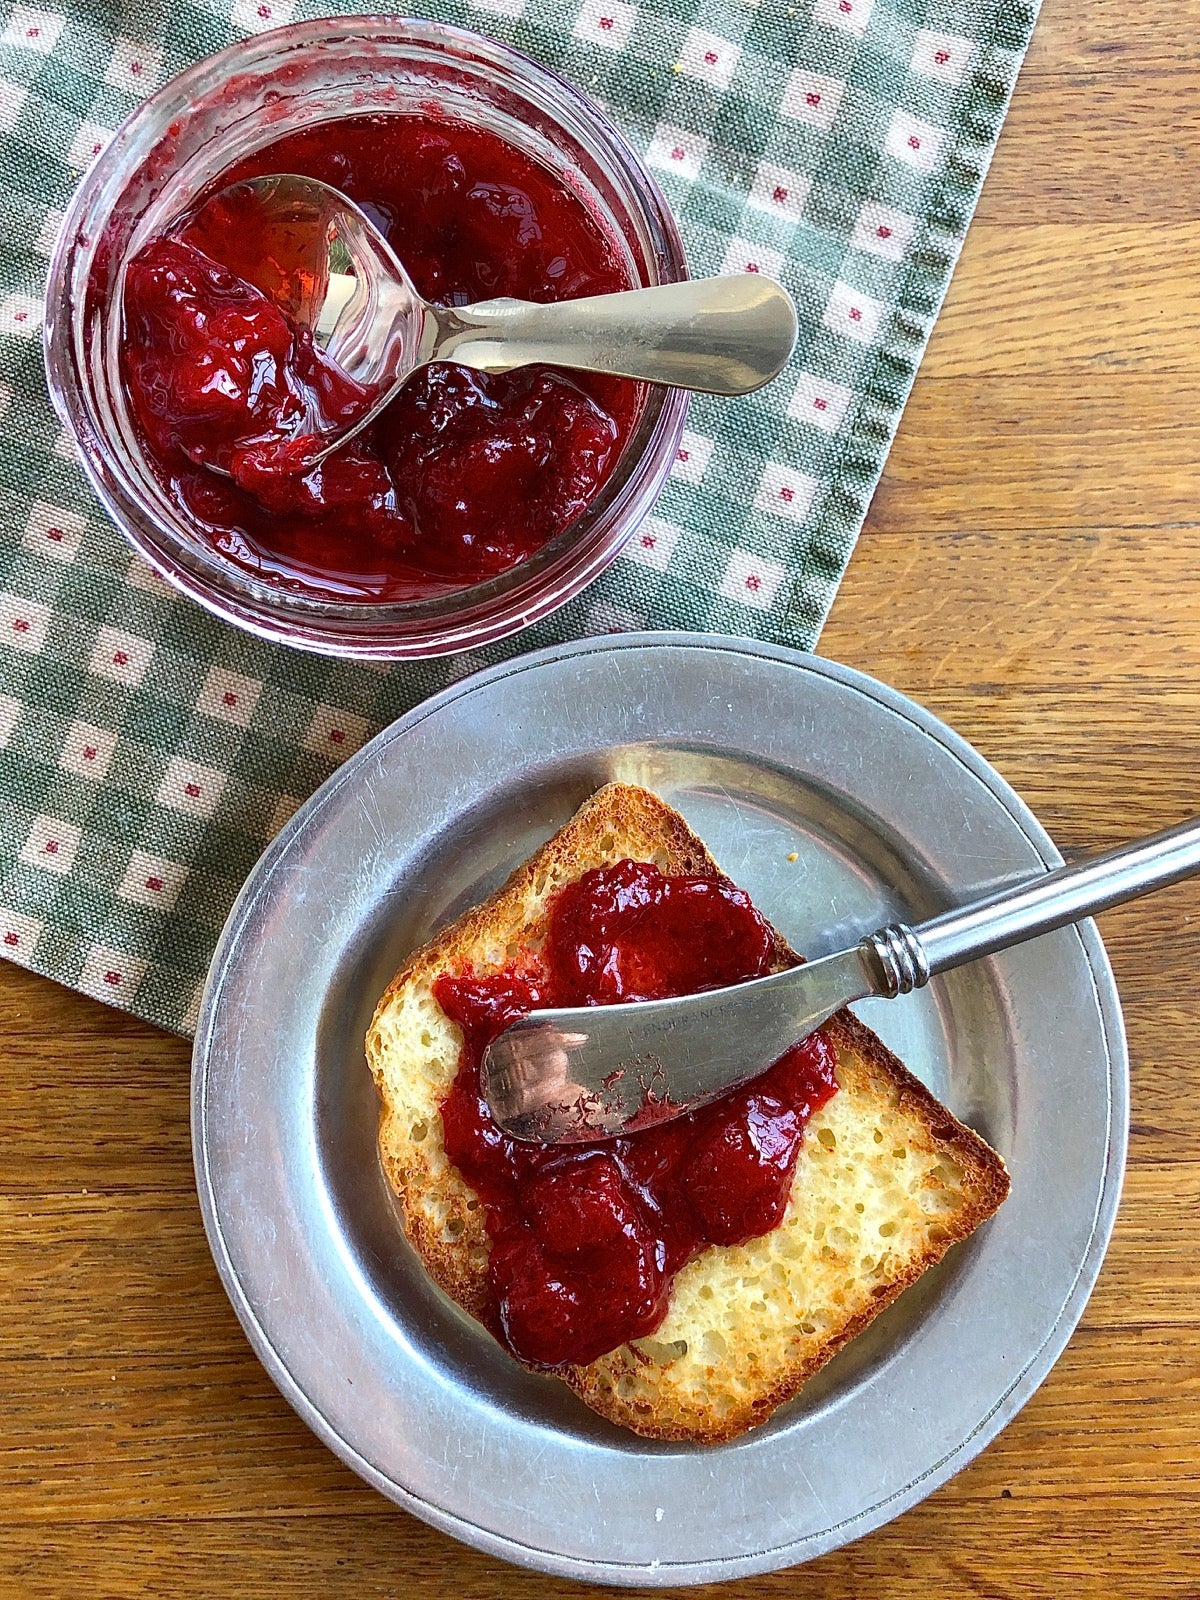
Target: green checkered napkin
[[147, 751]]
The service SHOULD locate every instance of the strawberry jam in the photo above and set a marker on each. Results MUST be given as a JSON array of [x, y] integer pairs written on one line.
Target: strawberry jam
[[464, 474], [221, 376], [586, 1240]]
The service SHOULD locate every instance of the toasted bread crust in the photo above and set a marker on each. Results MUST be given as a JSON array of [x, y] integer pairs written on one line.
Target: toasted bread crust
[[412, 1050]]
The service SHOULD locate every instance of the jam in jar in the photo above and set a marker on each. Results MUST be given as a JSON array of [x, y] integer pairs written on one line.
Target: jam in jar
[[464, 474]]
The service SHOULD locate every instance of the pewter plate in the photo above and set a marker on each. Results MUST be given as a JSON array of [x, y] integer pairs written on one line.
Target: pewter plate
[[768, 754]]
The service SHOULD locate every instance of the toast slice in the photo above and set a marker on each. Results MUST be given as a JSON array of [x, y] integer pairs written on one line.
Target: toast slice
[[887, 1179]]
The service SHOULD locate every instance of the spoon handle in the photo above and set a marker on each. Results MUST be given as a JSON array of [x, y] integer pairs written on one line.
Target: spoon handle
[[905, 958], [725, 335]]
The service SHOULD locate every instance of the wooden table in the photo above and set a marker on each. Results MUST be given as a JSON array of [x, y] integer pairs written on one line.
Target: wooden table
[[1031, 572]]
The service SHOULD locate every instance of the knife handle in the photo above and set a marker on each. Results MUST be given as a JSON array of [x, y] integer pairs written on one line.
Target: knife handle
[[901, 958]]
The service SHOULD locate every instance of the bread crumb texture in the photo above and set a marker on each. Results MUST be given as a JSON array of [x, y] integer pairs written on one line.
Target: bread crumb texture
[[886, 1182]]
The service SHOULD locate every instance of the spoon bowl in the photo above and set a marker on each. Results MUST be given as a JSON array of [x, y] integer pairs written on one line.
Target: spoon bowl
[[311, 251]]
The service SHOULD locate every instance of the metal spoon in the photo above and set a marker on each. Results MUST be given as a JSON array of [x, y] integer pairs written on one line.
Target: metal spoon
[[590, 1072], [312, 251]]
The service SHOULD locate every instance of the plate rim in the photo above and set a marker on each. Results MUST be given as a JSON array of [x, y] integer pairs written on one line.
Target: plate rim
[[1023, 1386]]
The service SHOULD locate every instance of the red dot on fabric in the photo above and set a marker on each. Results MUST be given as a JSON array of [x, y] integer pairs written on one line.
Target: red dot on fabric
[[787, 494], [154, 883], [752, 583], [11, 938], [780, 194], [821, 405], [336, 735], [112, 976], [192, 789], [229, 698]]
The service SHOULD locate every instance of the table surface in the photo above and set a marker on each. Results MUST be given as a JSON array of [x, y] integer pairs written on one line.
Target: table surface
[[1027, 573]]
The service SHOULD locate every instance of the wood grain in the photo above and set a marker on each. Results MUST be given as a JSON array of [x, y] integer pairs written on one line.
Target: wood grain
[[1031, 572], [1108, 39], [1115, 313]]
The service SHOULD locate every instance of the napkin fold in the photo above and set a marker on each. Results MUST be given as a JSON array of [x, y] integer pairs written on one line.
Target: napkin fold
[[149, 752]]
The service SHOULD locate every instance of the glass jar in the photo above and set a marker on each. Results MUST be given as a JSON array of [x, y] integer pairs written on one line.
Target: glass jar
[[200, 124]]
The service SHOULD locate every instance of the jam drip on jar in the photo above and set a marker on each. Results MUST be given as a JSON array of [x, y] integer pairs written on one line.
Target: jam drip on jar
[[587, 1239], [464, 474]]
